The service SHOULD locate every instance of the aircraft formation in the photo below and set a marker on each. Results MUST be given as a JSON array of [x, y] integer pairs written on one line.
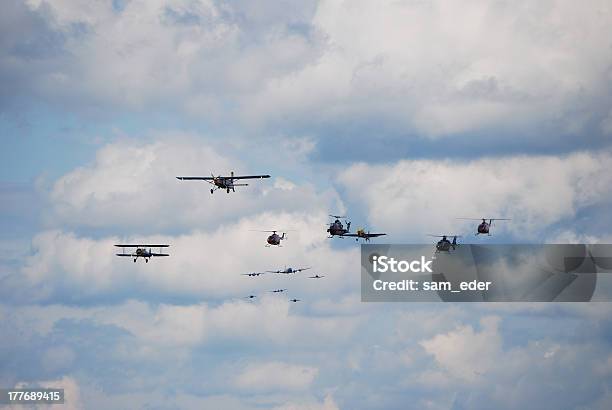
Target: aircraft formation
[[284, 271], [340, 227], [336, 228]]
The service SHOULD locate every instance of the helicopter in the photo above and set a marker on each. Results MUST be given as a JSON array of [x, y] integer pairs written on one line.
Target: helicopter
[[484, 227], [336, 228], [274, 239], [444, 245]]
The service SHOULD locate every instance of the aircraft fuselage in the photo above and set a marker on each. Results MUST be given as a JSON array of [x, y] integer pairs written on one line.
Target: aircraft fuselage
[[275, 239], [483, 228]]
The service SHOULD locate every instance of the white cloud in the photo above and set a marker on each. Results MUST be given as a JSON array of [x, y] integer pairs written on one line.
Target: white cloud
[[198, 54], [132, 184], [272, 321], [276, 376], [425, 196], [465, 353], [328, 403], [201, 264], [441, 68], [425, 68], [286, 356], [437, 68]]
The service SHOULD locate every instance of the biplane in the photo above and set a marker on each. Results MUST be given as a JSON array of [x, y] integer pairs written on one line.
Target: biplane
[[142, 252]]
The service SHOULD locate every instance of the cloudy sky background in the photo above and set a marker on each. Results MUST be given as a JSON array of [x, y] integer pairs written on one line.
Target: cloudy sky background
[[402, 114]]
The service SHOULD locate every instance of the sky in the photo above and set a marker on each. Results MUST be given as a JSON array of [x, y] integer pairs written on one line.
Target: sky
[[403, 115]]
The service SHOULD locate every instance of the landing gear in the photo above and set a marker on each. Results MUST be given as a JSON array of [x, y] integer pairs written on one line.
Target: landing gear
[[228, 190], [211, 191], [134, 260], [146, 261]]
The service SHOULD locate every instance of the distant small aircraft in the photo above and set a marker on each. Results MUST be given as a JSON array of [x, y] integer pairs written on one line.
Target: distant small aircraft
[[278, 290], [221, 182], [250, 297], [362, 234], [254, 274], [336, 228], [288, 271], [484, 227], [444, 245], [316, 277], [142, 252], [294, 300]]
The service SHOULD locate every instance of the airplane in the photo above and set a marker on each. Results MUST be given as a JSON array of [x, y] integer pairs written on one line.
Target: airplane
[[250, 297], [316, 277], [278, 290], [221, 182], [142, 252], [361, 233], [484, 227], [294, 300], [336, 228], [253, 274], [287, 271], [444, 245]]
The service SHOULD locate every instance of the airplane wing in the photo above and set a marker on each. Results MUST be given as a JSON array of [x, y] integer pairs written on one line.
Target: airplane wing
[[301, 269], [159, 254], [124, 254], [275, 271], [249, 176], [195, 178], [364, 235]]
